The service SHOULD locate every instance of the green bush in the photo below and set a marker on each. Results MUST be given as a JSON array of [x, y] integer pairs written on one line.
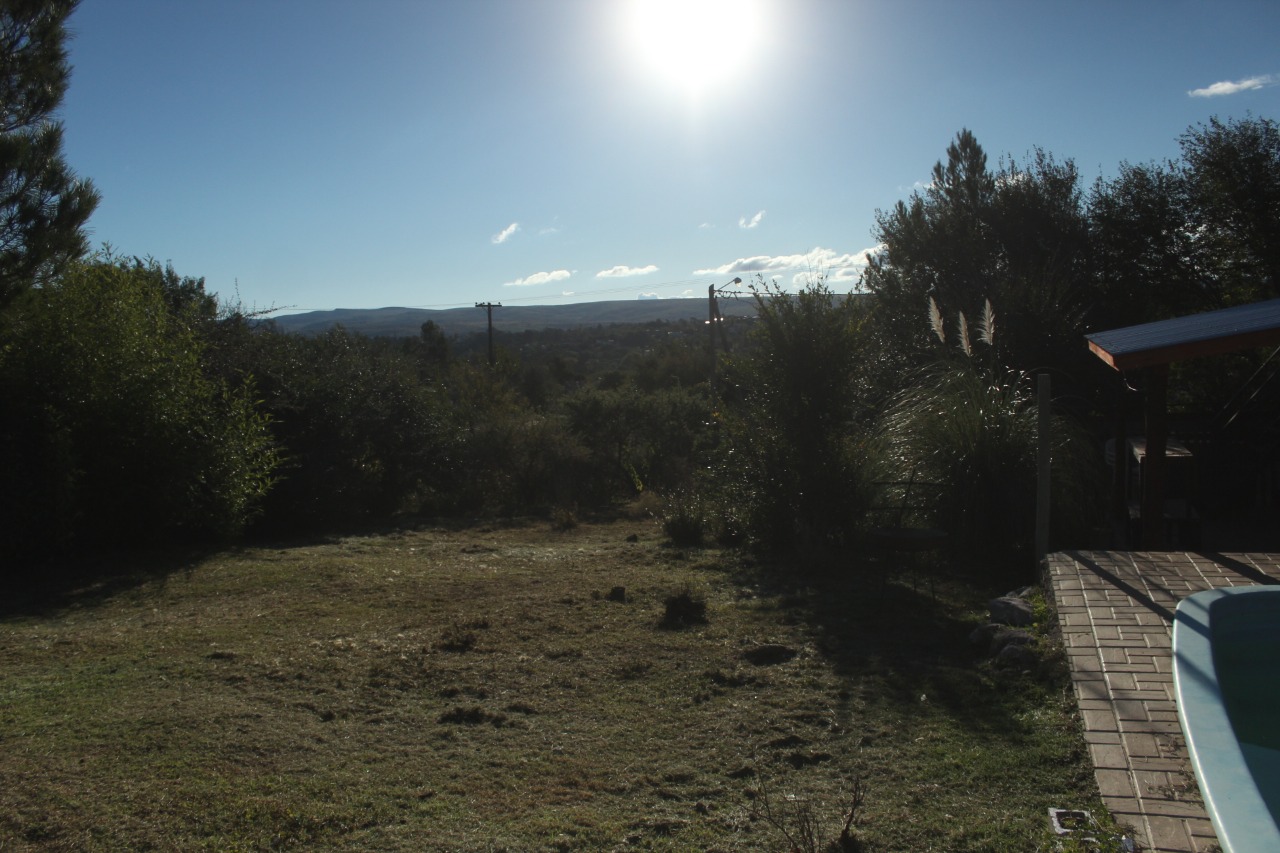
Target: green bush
[[976, 433], [790, 468], [362, 435], [116, 433]]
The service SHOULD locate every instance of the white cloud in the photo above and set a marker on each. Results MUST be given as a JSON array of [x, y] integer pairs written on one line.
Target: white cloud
[[834, 265], [648, 296], [706, 226], [1228, 87], [626, 272], [743, 222], [505, 234], [539, 278]]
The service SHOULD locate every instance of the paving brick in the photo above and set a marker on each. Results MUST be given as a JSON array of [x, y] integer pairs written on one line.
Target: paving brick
[[1140, 744], [1154, 727], [1124, 809], [1108, 756], [1114, 783], [1156, 807], [1100, 736], [1100, 721], [1122, 681], [1165, 764], [1147, 697], [1169, 834], [1092, 690], [1119, 647], [1130, 709]]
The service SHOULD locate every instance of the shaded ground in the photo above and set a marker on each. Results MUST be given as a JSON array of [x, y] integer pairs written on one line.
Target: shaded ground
[[491, 689]]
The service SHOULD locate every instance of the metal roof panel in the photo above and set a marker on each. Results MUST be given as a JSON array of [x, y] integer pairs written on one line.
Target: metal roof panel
[[1182, 338]]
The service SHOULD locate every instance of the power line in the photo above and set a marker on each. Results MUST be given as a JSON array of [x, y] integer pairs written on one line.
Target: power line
[[688, 283]]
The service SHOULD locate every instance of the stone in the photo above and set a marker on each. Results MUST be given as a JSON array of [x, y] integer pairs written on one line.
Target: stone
[[1010, 610], [1016, 657], [981, 636], [1005, 637]]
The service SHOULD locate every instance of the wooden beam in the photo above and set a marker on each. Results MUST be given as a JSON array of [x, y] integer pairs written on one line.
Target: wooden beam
[[1154, 465]]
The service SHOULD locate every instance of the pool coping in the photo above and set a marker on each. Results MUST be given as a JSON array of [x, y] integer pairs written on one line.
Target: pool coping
[[1116, 612]]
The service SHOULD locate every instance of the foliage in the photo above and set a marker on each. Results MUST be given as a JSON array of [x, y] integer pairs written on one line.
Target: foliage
[[791, 459], [636, 440], [361, 435], [43, 206], [684, 517], [1149, 265], [118, 434], [1017, 236], [1233, 173], [1193, 235], [975, 433]]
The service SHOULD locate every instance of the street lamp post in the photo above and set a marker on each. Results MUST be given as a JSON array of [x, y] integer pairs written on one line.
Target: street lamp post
[[715, 321]]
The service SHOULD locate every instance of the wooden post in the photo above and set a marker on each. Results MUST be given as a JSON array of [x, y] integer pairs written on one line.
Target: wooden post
[[1044, 457], [1120, 471], [488, 307], [1153, 473], [711, 330]]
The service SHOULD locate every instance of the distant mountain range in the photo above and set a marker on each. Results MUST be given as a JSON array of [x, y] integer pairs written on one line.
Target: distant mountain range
[[407, 322]]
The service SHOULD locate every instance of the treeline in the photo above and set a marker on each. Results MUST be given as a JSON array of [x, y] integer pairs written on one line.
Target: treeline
[[143, 410], [139, 409]]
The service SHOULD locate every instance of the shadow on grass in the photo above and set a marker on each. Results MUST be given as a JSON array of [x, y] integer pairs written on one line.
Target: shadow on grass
[[86, 579], [905, 630]]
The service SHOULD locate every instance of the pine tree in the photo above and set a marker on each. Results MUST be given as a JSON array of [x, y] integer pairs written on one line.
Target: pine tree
[[43, 205]]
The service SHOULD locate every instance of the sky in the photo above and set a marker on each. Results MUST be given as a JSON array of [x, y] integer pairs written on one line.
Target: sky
[[319, 154]]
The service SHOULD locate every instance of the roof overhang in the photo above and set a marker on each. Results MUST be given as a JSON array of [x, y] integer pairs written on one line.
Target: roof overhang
[[1194, 336]]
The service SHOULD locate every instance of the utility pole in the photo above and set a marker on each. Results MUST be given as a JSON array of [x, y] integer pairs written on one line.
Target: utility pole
[[715, 322], [488, 308]]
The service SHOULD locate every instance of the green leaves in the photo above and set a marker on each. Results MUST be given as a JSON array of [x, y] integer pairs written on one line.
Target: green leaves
[[122, 436], [43, 206]]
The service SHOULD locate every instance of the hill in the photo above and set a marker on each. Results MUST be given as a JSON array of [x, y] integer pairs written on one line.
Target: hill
[[407, 322]]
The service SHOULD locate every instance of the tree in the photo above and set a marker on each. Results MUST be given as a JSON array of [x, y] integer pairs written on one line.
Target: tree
[[112, 432], [43, 206], [792, 457], [1017, 236], [1147, 258], [1232, 171]]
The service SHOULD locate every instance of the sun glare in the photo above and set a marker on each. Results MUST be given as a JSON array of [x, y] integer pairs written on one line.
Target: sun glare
[[695, 45]]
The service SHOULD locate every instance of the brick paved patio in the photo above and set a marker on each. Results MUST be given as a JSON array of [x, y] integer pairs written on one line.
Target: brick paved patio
[[1116, 612]]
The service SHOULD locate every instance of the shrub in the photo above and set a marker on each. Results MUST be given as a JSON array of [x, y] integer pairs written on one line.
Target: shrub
[[976, 434], [118, 434], [683, 608], [790, 469], [684, 518]]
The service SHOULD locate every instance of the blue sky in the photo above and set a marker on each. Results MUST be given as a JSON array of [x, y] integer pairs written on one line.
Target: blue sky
[[437, 153]]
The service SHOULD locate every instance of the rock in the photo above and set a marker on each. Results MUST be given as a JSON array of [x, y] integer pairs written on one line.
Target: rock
[[618, 593], [1010, 610], [1016, 657], [981, 636], [1005, 637]]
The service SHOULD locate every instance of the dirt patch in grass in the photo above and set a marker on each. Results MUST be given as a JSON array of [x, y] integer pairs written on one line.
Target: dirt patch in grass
[[483, 690]]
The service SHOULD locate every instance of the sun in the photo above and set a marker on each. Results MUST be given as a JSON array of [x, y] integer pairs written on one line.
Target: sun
[[695, 46]]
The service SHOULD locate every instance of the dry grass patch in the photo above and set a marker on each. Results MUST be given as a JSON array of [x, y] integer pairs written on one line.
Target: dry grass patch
[[487, 689]]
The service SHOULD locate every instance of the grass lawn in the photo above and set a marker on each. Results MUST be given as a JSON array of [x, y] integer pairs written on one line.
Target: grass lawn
[[489, 689]]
